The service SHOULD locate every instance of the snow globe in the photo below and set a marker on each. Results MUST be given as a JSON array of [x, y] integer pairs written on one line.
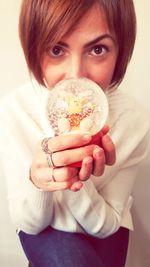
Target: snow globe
[[77, 106]]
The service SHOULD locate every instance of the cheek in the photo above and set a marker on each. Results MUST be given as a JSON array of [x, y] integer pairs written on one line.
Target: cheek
[[52, 73], [104, 78], [52, 76], [103, 74]]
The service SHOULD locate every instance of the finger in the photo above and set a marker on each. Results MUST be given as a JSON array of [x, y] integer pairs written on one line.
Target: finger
[[61, 174], [105, 129], [70, 156], [65, 173], [76, 186], [109, 148], [86, 168], [99, 161], [54, 186], [63, 142], [41, 176]]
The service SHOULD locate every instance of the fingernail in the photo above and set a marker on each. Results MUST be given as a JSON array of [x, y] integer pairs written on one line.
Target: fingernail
[[88, 161], [77, 188], [98, 152]]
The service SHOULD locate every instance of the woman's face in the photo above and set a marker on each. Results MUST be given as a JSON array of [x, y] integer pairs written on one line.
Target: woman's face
[[89, 51]]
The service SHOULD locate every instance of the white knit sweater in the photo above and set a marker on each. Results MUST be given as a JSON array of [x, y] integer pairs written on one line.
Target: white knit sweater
[[103, 204]]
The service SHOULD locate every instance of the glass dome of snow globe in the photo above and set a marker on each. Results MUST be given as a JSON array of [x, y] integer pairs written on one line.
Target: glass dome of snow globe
[[77, 106]]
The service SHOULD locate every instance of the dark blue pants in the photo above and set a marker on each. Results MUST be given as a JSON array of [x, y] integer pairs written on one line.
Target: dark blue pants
[[52, 248]]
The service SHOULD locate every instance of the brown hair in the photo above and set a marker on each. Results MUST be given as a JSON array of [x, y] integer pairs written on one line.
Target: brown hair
[[43, 23]]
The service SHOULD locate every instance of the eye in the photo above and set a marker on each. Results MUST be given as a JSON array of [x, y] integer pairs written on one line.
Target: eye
[[98, 50], [56, 51]]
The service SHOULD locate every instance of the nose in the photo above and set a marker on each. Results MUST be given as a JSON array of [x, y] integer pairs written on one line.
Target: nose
[[76, 68]]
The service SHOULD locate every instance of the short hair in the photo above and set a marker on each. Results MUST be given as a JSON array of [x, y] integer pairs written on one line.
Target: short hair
[[43, 23]]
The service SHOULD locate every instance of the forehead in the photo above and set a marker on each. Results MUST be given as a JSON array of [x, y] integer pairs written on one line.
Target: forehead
[[93, 23]]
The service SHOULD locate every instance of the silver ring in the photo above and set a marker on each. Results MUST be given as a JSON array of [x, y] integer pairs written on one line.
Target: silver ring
[[49, 153], [44, 145], [50, 161], [53, 177]]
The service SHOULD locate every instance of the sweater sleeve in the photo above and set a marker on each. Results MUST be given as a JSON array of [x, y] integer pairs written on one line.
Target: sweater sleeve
[[31, 210], [99, 208], [100, 213]]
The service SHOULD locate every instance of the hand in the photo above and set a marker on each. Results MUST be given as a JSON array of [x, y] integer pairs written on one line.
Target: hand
[[103, 142], [67, 149], [104, 154]]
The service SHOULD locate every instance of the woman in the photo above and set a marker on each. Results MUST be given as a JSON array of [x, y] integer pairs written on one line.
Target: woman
[[66, 216]]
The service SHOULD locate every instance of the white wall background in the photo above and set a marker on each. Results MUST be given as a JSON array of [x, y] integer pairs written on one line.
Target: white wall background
[[13, 73]]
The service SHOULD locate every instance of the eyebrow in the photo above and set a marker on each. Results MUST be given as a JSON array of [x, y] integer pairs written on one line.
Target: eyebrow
[[96, 40]]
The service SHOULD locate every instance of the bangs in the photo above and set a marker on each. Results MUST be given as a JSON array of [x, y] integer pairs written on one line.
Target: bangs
[[60, 20]]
